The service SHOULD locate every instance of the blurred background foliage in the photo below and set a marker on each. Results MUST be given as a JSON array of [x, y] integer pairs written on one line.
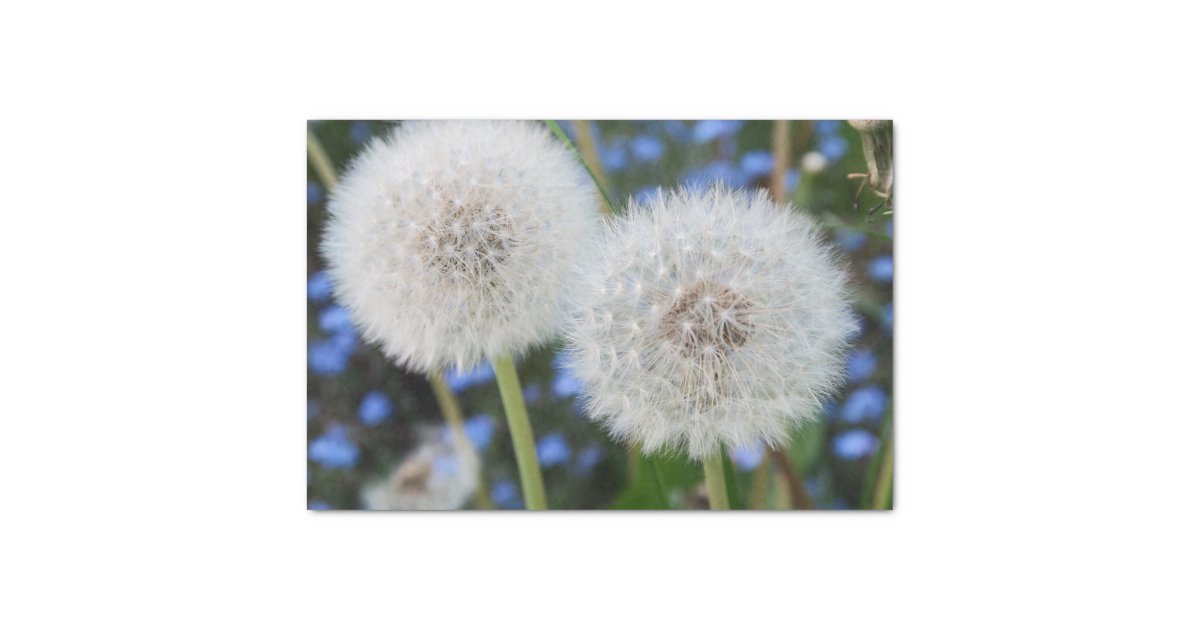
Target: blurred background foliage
[[365, 414]]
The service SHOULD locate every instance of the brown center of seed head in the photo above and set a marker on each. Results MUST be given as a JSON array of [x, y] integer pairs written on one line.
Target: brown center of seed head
[[467, 238], [708, 321]]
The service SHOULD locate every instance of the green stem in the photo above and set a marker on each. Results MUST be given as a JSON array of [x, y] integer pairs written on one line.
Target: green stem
[[522, 433], [714, 480], [321, 162], [610, 207], [883, 487]]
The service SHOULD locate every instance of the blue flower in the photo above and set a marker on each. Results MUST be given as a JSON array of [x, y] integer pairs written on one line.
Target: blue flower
[[319, 287], [587, 459], [758, 163], [335, 319], [867, 403], [375, 408], [319, 505], [458, 381], [646, 148], [565, 386], [708, 130], [504, 494], [647, 194], [479, 430], [677, 129], [827, 127], [833, 147], [791, 180], [330, 356], [719, 171], [532, 393], [861, 364], [360, 131], [851, 240], [880, 269], [316, 193], [855, 444], [886, 315], [334, 449], [613, 158], [747, 457], [553, 450]]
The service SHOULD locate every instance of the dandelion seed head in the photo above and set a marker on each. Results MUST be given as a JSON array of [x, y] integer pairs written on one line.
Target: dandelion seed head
[[440, 474], [451, 242], [737, 333]]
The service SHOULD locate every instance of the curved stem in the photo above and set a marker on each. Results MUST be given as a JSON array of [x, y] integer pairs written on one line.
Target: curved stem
[[522, 433], [714, 481], [795, 483]]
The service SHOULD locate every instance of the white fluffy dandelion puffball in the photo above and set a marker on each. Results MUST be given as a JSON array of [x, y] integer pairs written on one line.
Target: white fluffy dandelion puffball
[[441, 474], [452, 241], [710, 318]]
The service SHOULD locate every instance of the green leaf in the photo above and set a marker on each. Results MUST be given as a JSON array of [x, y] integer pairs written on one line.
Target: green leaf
[[657, 478]]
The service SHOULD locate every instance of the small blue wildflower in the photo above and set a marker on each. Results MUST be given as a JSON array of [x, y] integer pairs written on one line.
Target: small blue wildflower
[[647, 194], [319, 287], [851, 240], [319, 505], [479, 429], [458, 381], [791, 180], [833, 147], [855, 444], [313, 408], [504, 492], [335, 319], [827, 127], [587, 459], [646, 148], [861, 364], [375, 408], [360, 131], [316, 193], [333, 449], [886, 315], [613, 158], [867, 403], [553, 450], [532, 393], [706, 131], [747, 457], [758, 163], [880, 269], [677, 129], [329, 357], [566, 385]]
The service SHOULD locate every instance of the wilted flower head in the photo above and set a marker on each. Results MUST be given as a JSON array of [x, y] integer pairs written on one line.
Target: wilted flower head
[[451, 241], [710, 318], [441, 474]]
